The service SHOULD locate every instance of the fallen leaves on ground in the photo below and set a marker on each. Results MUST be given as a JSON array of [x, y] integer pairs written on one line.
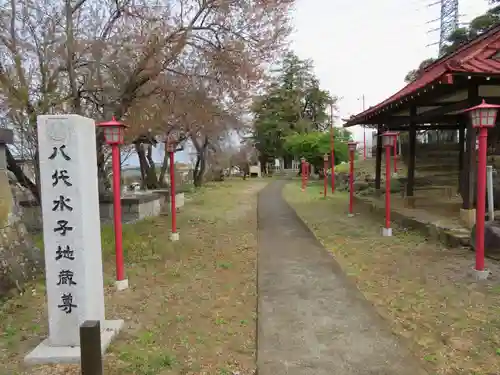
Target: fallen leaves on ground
[[191, 306]]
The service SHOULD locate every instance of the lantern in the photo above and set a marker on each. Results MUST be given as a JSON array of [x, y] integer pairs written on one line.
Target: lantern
[[113, 131], [352, 146], [388, 139], [483, 115], [172, 140], [325, 158]]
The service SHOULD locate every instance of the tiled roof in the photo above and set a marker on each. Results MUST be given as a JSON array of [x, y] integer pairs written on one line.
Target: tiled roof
[[477, 56]]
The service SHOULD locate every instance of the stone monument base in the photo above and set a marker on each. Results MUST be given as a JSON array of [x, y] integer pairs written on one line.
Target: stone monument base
[[46, 354]]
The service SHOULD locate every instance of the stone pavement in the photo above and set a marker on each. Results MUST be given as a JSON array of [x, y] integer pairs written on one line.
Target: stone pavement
[[311, 319]]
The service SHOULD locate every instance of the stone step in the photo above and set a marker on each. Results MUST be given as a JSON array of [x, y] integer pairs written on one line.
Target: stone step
[[436, 156], [442, 167], [433, 146]]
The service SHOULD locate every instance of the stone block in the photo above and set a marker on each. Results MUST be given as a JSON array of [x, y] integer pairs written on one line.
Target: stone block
[[468, 217], [47, 354], [179, 200], [410, 202]]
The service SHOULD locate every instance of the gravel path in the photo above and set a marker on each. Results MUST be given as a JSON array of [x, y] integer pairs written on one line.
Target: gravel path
[[311, 320]]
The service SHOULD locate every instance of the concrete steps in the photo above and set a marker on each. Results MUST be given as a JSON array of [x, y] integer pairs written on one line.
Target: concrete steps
[[436, 164]]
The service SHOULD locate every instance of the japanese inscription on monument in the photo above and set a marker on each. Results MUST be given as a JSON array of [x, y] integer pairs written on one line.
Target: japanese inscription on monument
[[61, 204]]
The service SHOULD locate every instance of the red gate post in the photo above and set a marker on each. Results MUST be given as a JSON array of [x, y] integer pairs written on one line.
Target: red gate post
[[483, 116], [388, 142], [303, 172], [352, 147], [325, 168], [332, 154], [113, 134], [171, 144]]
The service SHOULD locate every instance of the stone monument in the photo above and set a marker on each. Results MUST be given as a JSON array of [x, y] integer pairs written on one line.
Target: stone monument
[[72, 237]]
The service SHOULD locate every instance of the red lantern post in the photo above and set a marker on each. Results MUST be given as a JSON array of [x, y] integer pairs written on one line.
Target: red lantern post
[[352, 148], [325, 167], [388, 142], [332, 157], [170, 146], [483, 117], [113, 134], [303, 172]]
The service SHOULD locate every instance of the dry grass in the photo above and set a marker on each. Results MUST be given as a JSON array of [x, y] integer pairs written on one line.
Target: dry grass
[[191, 308], [452, 323]]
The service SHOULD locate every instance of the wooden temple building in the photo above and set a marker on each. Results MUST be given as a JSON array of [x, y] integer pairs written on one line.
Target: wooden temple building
[[436, 101]]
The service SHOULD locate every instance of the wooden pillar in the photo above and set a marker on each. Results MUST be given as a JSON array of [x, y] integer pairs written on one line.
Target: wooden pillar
[[469, 169], [90, 348], [461, 147], [410, 183], [470, 153], [378, 157]]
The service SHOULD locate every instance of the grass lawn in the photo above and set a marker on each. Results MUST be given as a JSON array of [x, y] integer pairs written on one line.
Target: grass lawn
[[191, 307], [449, 321]]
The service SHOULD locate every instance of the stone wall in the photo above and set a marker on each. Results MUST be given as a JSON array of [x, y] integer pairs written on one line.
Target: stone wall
[[20, 260], [135, 206]]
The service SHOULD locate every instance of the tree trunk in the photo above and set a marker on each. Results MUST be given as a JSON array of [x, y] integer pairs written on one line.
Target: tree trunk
[[142, 167], [163, 170], [199, 170], [21, 176], [152, 180], [102, 180], [201, 161], [147, 166]]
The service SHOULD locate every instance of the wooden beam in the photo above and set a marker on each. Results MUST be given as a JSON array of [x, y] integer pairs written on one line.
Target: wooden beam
[[412, 151], [405, 120], [425, 127], [461, 145], [442, 111]]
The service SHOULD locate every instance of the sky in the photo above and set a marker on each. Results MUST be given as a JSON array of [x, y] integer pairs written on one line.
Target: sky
[[366, 47], [362, 47]]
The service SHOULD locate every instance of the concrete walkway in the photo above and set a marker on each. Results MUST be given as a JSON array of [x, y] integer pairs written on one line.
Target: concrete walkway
[[311, 320]]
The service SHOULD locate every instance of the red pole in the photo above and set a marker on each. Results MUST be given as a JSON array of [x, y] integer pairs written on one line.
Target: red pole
[[174, 236], [303, 165], [364, 143], [117, 215], [395, 145], [333, 158], [307, 173], [325, 178], [351, 182], [481, 201], [387, 188]]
